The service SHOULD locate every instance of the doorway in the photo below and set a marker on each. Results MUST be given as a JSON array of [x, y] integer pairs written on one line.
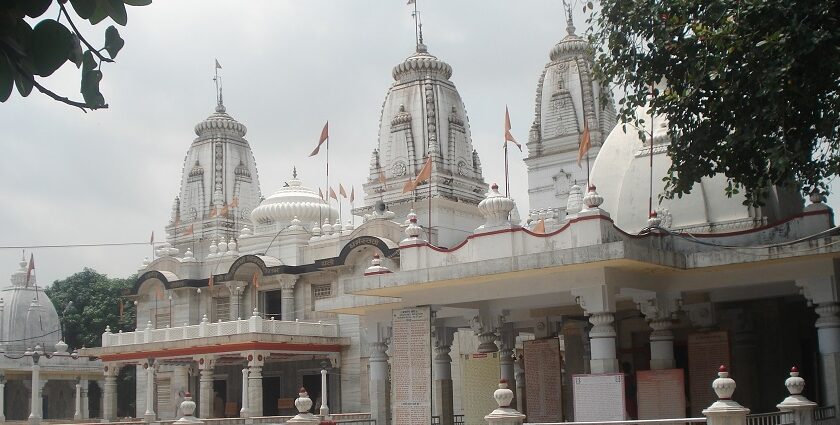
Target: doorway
[[312, 383]]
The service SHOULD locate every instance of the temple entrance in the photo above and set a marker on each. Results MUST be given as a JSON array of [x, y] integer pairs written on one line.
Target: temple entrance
[[272, 393], [273, 302], [220, 399], [312, 383]]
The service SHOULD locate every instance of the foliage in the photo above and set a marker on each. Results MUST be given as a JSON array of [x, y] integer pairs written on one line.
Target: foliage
[[749, 87], [96, 304], [28, 52]]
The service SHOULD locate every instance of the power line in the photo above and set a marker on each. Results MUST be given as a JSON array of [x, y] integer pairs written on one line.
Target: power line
[[77, 245]]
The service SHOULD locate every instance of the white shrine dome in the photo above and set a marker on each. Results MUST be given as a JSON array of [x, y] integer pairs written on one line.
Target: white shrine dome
[[292, 201], [571, 45], [421, 64], [29, 317], [622, 173], [220, 122]]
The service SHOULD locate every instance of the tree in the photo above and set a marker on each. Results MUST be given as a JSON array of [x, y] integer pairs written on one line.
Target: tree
[[750, 88], [96, 304], [27, 52]]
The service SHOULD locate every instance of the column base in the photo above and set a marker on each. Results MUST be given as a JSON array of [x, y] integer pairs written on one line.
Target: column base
[[603, 365], [659, 364], [443, 399], [34, 420], [149, 417]]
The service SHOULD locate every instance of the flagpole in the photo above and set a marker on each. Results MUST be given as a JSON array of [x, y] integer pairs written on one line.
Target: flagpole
[[650, 196], [431, 174], [329, 210], [507, 178]]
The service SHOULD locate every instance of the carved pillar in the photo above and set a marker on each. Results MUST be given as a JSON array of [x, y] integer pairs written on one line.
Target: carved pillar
[[255, 390], [287, 297], [823, 291], [34, 408], [442, 374], [77, 415], [602, 340], [379, 388], [245, 410], [149, 415], [205, 386], [662, 345], [109, 393], [85, 400], [236, 289], [507, 344]]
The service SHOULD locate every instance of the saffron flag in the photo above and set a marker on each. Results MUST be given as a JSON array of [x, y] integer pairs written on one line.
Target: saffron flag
[[540, 227], [325, 134], [321, 194], [409, 186], [234, 203], [224, 212], [188, 231], [332, 194], [382, 179], [218, 66], [255, 280], [210, 281], [585, 143], [341, 191], [425, 174], [352, 194], [213, 212], [508, 136], [30, 267]]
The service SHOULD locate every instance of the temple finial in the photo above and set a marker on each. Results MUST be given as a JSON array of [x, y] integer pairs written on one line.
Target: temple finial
[[418, 24], [570, 25], [220, 104], [294, 172]]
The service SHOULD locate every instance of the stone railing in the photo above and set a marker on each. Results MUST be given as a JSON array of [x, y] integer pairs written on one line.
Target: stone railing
[[206, 329]]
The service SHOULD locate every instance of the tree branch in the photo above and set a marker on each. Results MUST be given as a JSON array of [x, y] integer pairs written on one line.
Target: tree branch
[[79, 34]]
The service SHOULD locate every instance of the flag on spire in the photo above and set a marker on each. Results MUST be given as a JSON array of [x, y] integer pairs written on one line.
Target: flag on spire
[[321, 194], [188, 231], [382, 179], [540, 227], [217, 64], [508, 136], [224, 212], [325, 134], [585, 143], [234, 203], [210, 282], [425, 174], [332, 194], [341, 191], [30, 267], [255, 280], [352, 194]]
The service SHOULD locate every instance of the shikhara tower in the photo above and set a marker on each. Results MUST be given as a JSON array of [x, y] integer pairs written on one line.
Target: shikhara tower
[[219, 185], [567, 96], [423, 115]]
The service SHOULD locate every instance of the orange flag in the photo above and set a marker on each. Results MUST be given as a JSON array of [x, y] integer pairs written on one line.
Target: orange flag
[[210, 281], [224, 212], [409, 186], [188, 231], [255, 280], [585, 143], [425, 174], [508, 136], [341, 191], [30, 267], [234, 203], [325, 134], [332, 194], [213, 212], [382, 179], [321, 194], [540, 227], [352, 194]]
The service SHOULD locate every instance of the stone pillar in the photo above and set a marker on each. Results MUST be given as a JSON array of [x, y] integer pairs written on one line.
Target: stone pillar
[[2, 398], [662, 345], [77, 415], [244, 411], [150, 415], [602, 340], [507, 344], [325, 409], [379, 390], [255, 390], [109, 393], [442, 375], [519, 374], [205, 387], [504, 415], [235, 289], [34, 409], [85, 400], [828, 337], [725, 411], [801, 408], [287, 297]]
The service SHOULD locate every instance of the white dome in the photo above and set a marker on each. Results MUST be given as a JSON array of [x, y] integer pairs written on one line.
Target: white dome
[[292, 201], [28, 316], [621, 173]]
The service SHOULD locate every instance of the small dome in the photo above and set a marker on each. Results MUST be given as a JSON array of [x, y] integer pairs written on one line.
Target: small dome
[[220, 121], [290, 202], [29, 317], [421, 64], [570, 45]]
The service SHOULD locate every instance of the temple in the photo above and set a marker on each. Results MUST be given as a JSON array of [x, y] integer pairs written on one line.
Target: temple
[[602, 303]]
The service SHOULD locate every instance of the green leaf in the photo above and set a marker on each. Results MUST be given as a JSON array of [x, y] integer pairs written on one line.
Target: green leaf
[[75, 54], [88, 62], [90, 88], [84, 8], [116, 10], [100, 13], [7, 74], [113, 41], [34, 8], [24, 82], [51, 45], [137, 2]]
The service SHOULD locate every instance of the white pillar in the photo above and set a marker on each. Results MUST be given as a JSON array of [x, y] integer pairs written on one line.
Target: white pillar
[[244, 412], [85, 400], [602, 341], [378, 389], [2, 397], [205, 392], [828, 336], [77, 415], [662, 345], [519, 374], [255, 390], [725, 411], [150, 415], [34, 408], [325, 409], [287, 297], [109, 393], [442, 373], [235, 298], [508, 343]]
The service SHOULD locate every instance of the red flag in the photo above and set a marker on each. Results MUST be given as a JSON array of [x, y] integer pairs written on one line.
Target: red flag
[[408, 186], [332, 194], [321, 194], [255, 280], [31, 267], [325, 134], [188, 231], [352, 194], [540, 227], [341, 191], [210, 281], [425, 174], [224, 212], [585, 143], [508, 136]]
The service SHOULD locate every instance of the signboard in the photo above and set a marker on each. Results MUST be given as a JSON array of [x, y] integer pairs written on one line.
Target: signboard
[[411, 366], [481, 378], [706, 352], [599, 397], [543, 385], [661, 393]]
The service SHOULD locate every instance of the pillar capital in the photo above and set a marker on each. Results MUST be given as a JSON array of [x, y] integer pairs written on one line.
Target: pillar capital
[[819, 289], [111, 370], [287, 281], [595, 299], [205, 362], [255, 358]]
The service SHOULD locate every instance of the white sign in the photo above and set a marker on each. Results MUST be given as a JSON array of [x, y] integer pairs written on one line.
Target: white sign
[[599, 397]]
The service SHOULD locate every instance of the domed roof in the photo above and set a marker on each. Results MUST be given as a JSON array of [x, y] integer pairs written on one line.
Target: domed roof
[[421, 64], [570, 45], [29, 317], [622, 172], [220, 121], [292, 201]]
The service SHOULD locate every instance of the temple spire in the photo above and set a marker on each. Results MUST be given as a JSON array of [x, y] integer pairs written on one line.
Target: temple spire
[[570, 25], [418, 24], [220, 104]]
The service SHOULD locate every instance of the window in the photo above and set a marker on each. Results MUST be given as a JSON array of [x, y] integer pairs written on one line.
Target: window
[[321, 291], [222, 311]]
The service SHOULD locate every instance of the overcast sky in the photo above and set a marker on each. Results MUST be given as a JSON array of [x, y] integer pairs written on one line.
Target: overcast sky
[[110, 176]]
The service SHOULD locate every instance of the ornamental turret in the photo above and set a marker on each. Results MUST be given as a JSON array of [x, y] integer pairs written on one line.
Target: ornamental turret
[[567, 97]]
